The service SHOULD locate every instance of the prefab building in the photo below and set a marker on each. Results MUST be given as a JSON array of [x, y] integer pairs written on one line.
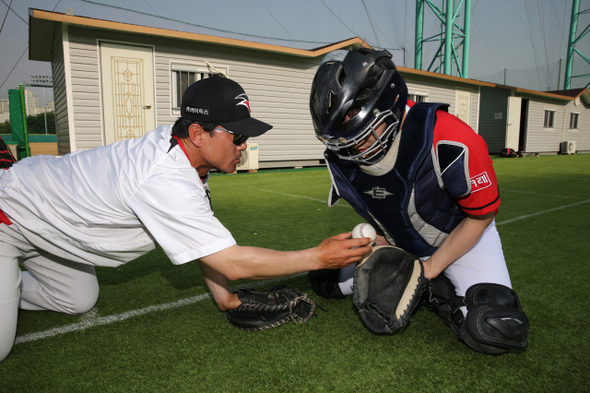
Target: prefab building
[[114, 81], [535, 122]]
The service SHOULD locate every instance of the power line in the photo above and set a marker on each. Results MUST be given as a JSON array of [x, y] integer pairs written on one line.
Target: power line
[[201, 26], [153, 9], [10, 73], [542, 20], [5, 16], [535, 57], [339, 20], [10, 9], [371, 23], [483, 38], [275, 18]]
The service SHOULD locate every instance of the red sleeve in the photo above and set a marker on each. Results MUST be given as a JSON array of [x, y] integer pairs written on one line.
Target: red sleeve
[[485, 194]]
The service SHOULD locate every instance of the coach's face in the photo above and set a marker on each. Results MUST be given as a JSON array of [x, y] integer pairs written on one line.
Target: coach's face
[[216, 150]]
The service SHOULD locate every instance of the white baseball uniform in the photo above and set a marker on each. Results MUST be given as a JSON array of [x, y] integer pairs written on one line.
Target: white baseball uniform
[[101, 207]]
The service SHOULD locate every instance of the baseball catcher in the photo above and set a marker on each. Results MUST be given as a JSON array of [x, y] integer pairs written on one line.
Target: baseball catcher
[[423, 178], [270, 308], [388, 284]]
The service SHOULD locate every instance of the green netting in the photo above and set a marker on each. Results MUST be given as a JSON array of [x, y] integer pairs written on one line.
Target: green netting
[[18, 123]]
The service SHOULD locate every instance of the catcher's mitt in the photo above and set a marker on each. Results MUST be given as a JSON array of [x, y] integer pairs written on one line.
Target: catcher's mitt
[[265, 309], [387, 287]]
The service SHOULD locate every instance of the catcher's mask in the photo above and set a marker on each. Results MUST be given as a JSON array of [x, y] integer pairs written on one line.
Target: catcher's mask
[[352, 94]]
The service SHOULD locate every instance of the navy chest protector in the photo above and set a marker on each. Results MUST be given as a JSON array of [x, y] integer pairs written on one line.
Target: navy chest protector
[[407, 203]]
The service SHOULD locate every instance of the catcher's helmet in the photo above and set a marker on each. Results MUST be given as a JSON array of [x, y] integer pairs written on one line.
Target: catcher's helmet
[[352, 93]]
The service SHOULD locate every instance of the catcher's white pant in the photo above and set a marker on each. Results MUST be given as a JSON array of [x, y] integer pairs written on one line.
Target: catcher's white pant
[[49, 283], [483, 263]]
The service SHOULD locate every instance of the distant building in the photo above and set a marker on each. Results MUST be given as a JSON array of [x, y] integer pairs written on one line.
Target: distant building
[[115, 80], [535, 122], [32, 106]]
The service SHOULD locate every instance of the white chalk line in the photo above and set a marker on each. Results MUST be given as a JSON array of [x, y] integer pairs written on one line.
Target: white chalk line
[[296, 196], [539, 194], [541, 212], [552, 177], [91, 318]]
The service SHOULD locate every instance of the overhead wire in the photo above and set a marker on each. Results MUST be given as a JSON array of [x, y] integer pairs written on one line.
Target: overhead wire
[[542, 21], [473, 13], [201, 26], [535, 57], [338, 19], [275, 18], [153, 9], [10, 9], [5, 16], [26, 49], [371, 23]]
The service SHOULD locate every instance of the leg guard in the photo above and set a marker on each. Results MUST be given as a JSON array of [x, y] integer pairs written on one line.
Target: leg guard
[[495, 320], [324, 282], [443, 300]]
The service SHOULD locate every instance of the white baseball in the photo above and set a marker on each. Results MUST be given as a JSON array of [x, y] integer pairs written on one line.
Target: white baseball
[[364, 230]]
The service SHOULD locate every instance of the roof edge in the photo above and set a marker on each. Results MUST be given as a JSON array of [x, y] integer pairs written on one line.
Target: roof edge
[[431, 74], [131, 28]]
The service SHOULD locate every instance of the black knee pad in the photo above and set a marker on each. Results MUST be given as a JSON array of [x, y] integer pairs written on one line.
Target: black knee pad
[[325, 283], [495, 320]]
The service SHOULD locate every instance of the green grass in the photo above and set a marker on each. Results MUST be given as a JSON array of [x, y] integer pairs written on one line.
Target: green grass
[[193, 349]]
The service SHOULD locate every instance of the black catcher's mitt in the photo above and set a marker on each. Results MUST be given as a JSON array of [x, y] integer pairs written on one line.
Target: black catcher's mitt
[[387, 287], [265, 309]]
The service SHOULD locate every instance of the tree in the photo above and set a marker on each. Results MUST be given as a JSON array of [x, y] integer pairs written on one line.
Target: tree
[[36, 124], [5, 128]]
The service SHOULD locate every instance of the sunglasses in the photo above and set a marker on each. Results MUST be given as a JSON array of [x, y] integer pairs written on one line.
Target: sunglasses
[[238, 139]]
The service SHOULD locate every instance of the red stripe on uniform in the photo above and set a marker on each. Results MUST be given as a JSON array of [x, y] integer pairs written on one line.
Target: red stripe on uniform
[[4, 219]]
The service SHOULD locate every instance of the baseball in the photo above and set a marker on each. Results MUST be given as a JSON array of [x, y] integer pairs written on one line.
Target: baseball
[[364, 230]]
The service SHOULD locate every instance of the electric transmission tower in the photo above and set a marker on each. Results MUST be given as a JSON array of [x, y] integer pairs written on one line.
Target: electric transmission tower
[[453, 36], [571, 48]]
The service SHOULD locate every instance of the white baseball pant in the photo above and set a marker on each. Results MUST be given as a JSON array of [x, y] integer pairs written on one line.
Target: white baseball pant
[[49, 283]]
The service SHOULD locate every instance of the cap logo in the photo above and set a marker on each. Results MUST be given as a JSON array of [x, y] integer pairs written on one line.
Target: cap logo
[[244, 101], [197, 111]]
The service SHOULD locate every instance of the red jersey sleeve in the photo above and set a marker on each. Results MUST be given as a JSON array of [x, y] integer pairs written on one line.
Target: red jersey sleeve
[[484, 194]]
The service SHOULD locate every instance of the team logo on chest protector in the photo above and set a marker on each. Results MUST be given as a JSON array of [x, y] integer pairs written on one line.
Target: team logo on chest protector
[[378, 193]]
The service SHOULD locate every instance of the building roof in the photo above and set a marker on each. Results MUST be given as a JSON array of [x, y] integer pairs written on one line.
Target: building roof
[[42, 23], [582, 93]]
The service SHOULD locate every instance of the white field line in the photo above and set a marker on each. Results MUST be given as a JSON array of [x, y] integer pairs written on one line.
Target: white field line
[[541, 212], [91, 318], [296, 196], [539, 194], [552, 177]]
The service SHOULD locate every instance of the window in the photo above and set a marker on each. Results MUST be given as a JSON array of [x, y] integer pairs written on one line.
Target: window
[[549, 118], [417, 97], [574, 121], [183, 76]]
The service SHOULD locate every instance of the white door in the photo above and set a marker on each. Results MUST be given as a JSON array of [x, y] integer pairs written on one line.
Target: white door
[[463, 105], [127, 91], [513, 122]]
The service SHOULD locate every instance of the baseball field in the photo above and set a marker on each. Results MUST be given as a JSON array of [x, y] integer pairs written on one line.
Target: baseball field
[[155, 328]]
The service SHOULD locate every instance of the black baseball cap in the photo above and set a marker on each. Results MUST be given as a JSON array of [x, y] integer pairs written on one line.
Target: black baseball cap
[[222, 101]]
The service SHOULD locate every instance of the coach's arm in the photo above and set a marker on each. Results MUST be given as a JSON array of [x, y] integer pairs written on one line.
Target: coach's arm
[[243, 262]]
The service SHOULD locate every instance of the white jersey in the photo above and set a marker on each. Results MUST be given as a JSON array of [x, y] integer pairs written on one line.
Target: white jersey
[[108, 205]]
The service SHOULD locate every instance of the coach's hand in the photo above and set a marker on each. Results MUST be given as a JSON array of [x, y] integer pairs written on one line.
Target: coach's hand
[[340, 251]]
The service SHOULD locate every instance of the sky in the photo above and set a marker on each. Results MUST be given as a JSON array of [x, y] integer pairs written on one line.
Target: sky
[[518, 42]]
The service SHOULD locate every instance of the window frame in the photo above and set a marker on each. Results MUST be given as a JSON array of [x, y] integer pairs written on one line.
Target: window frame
[[576, 116], [413, 94], [176, 67], [549, 125]]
